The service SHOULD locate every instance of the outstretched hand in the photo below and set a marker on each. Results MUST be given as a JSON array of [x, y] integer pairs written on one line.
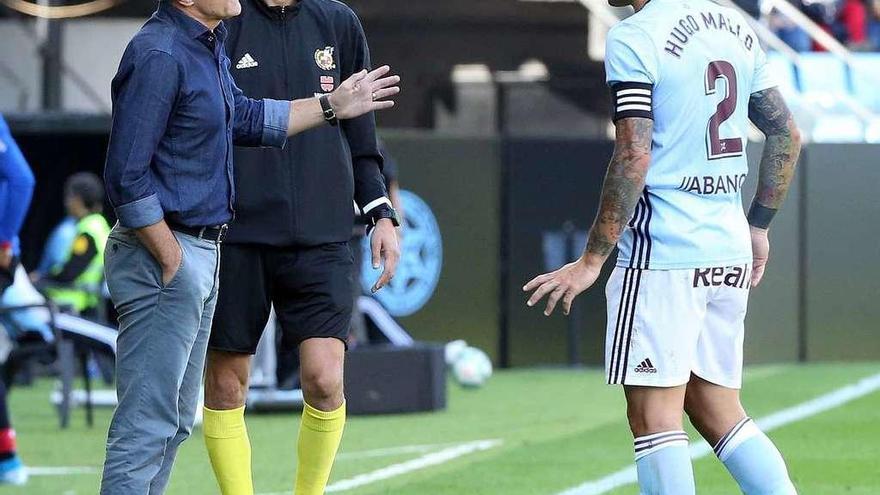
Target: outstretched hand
[[364, 92], [565, 284]]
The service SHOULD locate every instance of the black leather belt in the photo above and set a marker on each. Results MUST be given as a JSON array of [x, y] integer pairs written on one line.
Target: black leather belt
[[215, 233]]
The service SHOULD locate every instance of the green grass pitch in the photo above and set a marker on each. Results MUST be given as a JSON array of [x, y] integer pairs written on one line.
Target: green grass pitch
[[558, 429]]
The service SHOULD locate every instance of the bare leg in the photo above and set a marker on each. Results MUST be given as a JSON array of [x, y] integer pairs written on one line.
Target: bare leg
[[661, 446], [749, 456], [226, 438], [712, 409], [226, 380], [321, 367], [323, 419]]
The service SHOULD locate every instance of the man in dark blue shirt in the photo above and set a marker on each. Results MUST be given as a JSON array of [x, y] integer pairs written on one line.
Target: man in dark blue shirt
[[176, 114]]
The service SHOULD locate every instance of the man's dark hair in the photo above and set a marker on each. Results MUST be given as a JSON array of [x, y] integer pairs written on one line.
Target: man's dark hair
[[88, 187]]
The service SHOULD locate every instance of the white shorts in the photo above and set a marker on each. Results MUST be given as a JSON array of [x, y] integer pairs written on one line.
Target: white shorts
[[664, 325]]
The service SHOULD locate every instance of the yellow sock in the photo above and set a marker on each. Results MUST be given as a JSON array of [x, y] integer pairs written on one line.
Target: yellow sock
[[319, 435], [230, 450]]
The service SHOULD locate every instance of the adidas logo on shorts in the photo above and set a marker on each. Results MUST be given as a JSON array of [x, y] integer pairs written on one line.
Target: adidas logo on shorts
[[645, 367]]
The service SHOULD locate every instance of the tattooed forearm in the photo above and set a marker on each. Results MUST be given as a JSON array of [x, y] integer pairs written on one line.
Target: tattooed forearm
[[624, 183], [769, 113]]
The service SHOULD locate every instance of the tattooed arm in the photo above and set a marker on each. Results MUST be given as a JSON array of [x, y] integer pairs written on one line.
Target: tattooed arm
[[769, 113], [624, 183]]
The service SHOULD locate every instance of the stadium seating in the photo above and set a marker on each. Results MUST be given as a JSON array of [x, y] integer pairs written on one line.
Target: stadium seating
[[865, 77], [825, 94], [784, 72], [823, 81]]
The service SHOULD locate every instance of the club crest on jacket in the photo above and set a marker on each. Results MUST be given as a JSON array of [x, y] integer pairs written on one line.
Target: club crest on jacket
[[324, 58]]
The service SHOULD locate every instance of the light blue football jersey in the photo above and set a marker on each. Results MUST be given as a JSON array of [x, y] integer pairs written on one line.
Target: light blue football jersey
[[692, 64]]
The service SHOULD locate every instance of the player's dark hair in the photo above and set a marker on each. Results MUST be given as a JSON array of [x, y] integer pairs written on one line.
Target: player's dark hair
[[88, 187]]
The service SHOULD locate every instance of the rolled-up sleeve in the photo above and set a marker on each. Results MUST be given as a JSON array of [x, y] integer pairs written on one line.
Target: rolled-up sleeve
[[276, 118], [259, 122], [144, 94]]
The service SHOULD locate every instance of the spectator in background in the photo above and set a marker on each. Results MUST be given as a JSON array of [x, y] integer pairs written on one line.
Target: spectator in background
[[751, 7], [874, 25], [824, 13], [851, 27], [789, 32], [56, 249], [77, 282], [16, 189], [846, 20]]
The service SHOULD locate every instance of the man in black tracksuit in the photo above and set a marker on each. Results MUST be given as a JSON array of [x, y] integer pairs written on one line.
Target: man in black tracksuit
[[288, 245]]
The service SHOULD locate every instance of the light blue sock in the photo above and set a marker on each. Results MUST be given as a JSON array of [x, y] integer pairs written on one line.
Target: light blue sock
[[753, 461], [664, 465]]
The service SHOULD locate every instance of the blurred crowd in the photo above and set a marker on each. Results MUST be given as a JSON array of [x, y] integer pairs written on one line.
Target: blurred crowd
[[855, 23]]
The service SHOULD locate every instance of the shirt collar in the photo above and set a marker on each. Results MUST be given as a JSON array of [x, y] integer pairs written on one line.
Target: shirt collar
[[193, 28]]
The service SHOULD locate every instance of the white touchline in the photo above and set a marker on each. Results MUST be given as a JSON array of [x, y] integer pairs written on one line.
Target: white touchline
[[392, 451], [427, 460], [700, 448], [61, 470]]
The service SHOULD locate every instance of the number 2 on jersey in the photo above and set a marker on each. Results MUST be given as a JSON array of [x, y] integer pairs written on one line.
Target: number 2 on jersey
[[716, 146]]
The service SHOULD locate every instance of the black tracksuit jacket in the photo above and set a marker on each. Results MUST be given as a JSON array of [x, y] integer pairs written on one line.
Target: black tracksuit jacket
[[302, 195]]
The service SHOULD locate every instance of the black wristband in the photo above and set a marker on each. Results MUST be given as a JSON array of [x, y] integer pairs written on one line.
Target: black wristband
[[329, 113], [760, 216], [381, 212]]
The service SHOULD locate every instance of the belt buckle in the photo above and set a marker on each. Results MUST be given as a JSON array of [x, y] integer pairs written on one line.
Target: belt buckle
[[222, 235]]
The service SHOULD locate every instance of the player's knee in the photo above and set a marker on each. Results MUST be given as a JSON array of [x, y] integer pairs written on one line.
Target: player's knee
[[322, 389], [644, 421], [225, 388], [224, 391], [695, 410], [713, 411]]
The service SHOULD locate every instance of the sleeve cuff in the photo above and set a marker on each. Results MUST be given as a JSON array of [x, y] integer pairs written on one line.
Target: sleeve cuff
[[140, 213], [276, 118], [372, 205]]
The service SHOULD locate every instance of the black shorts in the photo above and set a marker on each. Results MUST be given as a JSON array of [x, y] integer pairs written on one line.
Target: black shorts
[[310, 287]]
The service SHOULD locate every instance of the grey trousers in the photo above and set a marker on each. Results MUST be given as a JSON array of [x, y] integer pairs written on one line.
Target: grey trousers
[[163, 338]]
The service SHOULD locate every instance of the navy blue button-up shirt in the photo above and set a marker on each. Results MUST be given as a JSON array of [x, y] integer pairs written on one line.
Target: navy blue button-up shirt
[[176, 114]]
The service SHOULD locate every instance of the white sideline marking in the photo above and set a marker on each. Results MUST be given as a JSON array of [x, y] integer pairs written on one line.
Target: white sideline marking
[[700, 448], [390, 451], [60, 471], [427, 460]]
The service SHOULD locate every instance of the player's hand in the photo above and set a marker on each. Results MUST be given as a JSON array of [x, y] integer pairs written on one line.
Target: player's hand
[[565, 284], [760, 254], [364, 92], [386, 250]]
